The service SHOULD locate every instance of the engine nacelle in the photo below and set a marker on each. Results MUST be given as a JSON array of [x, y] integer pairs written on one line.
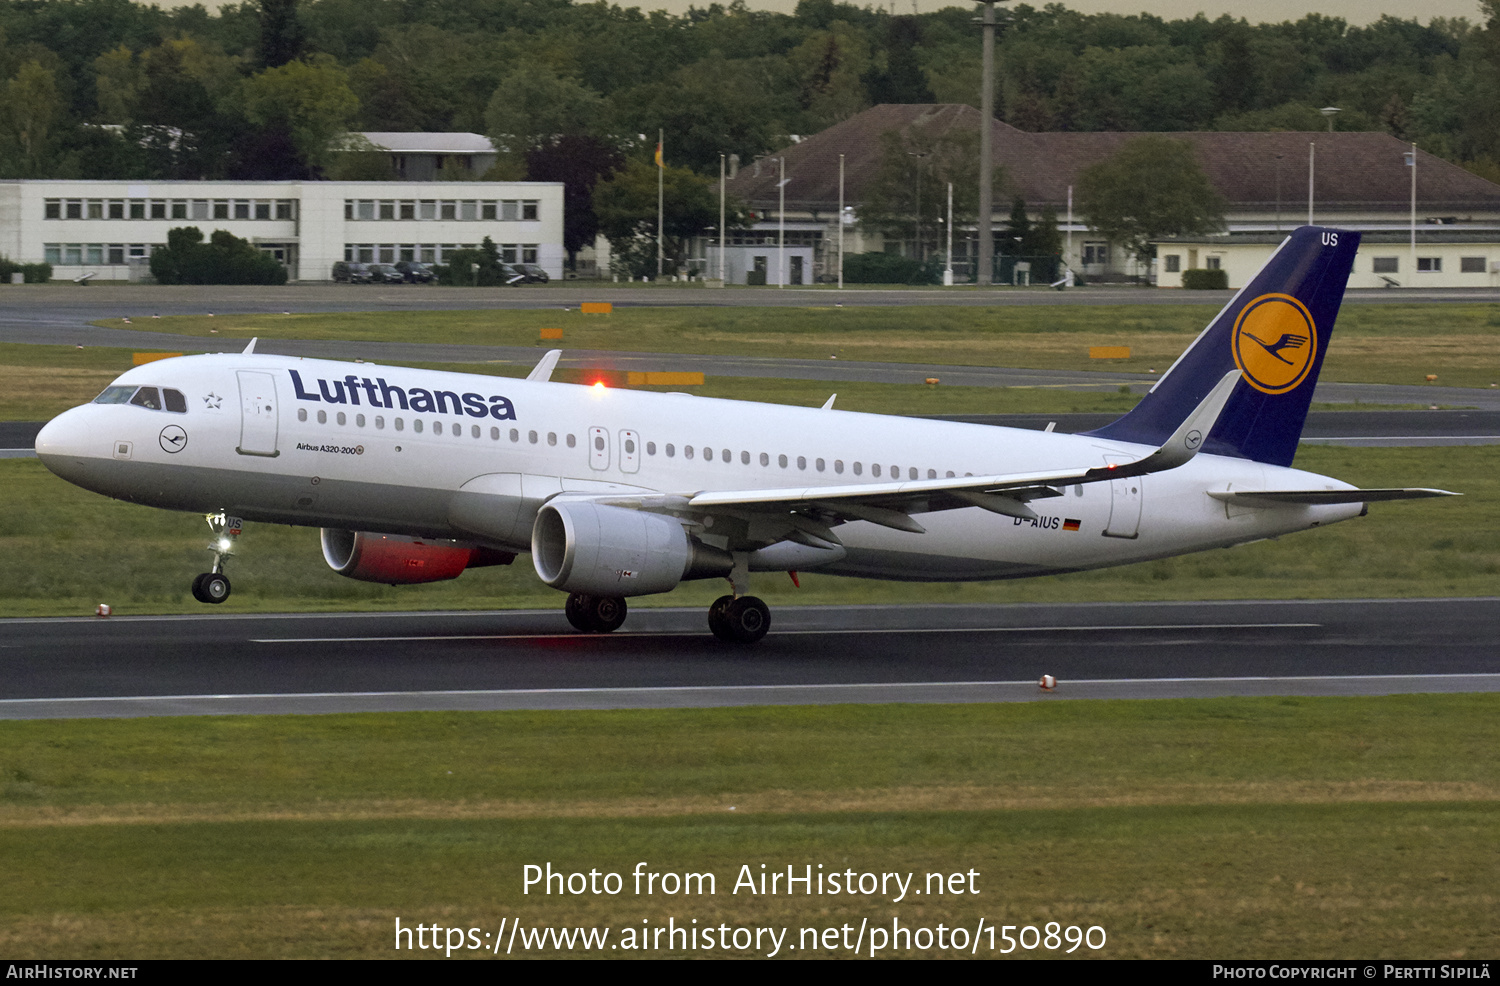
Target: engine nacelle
[[395, 559], [581, 546]]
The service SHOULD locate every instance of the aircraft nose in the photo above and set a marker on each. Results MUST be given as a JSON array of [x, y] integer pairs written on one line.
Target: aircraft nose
[[65, 435]]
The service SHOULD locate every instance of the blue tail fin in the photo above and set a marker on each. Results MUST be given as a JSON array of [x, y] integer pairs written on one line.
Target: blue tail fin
[[1275, 330]]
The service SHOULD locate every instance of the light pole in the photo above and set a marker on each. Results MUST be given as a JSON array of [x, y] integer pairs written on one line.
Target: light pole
[[781, 225], [919, 155], [1278, 192], [1411, 162], [986, 151]]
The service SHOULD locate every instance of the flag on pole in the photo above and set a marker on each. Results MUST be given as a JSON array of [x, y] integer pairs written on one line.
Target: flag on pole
[[659, 162]]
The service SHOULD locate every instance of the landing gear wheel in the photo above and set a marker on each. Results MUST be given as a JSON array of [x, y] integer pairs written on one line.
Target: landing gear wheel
[[595, 614], [717, 621], [211, 587], [607, 613], [577, 609], [747, 619]]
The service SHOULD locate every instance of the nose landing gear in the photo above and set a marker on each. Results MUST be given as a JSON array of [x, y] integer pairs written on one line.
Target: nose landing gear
[[213, 586]]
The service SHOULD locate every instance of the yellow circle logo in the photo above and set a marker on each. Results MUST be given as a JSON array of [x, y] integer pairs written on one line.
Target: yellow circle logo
[[1274, 343]]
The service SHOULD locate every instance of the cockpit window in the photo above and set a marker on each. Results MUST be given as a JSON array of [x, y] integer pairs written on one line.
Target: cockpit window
[[147, 397], [115, 395], [175, 401]]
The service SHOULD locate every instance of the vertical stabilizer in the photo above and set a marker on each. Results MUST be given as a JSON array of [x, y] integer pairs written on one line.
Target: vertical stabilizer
[[1275, 331]]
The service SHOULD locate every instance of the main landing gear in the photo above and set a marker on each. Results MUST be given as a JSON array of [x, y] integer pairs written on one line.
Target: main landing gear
[[213, 586], [742, 620], [595, 614]]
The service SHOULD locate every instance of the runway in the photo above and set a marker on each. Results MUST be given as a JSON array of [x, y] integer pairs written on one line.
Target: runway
[[279, 664]]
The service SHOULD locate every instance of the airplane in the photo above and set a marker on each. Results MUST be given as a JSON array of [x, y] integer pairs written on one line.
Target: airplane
[[418, 475]]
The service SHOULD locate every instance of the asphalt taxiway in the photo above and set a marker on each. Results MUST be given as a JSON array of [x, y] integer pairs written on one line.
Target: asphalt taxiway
[[214, 664]]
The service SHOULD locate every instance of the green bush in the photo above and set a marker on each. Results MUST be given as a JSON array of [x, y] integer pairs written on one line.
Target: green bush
[[458, 267], [224, 259], [889, 268], [33, 273], [1204, 279]]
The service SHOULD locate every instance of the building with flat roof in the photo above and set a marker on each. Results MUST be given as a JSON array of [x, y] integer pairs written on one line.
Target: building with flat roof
[[107, 229], [424, 156]]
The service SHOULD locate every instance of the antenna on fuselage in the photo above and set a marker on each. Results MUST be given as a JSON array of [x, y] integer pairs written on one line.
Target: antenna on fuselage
[[828, 404], [250, 348]]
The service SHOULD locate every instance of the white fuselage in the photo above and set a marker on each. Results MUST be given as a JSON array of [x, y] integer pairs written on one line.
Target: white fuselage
[[333, 446]]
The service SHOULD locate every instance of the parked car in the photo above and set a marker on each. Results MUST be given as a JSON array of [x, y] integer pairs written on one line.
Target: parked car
[[351, 273], [416, 273], [386, 274], [510, 275], [534, 273]]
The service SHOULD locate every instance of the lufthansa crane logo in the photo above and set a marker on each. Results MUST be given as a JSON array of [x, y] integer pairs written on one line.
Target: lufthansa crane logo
[[173, 439], [1275, 342]]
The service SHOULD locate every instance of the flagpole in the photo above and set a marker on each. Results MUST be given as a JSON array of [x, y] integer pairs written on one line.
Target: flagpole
[[661, 168], [781, 228], [841, 222], [721, 219]]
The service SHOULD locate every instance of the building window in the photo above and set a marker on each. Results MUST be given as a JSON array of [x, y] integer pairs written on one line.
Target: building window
[[1213, 262], [1096, 253], [408, 210], [286, 208], [427, 210], [1471, 265], [158, 209], [221, 209], [137, 208], [96, 253], [487, 210], [96, 208], [364, 209], [263, 210], [1173, 263], [510, 210], [74, 209], [468, 211], [242, 210], [449, 210], [528, 253], [508, 253], [528, 210], [387, 209], [52, 253], [117, 253], [117, 209], [52, 209], [1429, 265], [200, 208], [1386, 265]]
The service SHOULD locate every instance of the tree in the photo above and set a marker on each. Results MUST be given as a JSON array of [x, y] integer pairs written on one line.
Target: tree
[[626, 205], [32, 116], [311, 100], [224, 259], [533, 106], [916, 168], [1152, 187], [580, 163], [281, 33]]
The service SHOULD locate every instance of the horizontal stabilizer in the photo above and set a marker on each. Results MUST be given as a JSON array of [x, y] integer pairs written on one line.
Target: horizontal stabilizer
[[1266, 498]]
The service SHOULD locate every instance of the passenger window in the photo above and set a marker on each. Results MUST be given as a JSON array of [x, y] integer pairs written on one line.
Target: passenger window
[[911, 473], [515, 435], [671, 451], [416, 425], [650, 448], [819, 465], [379, 422], [531, 437], [341, 419], [400, 424], [359, 421], [744, 458], [708, 454], [494, 434], [950, 473], [1078, 489], [437, 427], [895, 472], [838, 466], [765, 459], [687, 451], [859, 469], [801, 462], [629, 447], [598, 442], [147, 397], [475, 431], [322, 417], [301, 414], [175, 401], [932, 474], [781, 461], [875, 470], [726, 455], [551, 438]]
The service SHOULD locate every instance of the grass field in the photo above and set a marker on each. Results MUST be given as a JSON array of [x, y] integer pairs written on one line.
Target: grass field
[[1372, 343], [1217, 828], [83, 549]]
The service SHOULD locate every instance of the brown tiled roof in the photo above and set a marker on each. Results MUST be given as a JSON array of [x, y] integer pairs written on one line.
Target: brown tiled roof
[[1360, 170]]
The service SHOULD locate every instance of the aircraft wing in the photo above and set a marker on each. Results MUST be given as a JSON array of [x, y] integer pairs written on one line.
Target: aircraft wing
[[768, 515]]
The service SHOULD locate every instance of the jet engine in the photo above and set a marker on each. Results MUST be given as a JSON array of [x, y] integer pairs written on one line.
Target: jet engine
[[581, 546], [398, 560]]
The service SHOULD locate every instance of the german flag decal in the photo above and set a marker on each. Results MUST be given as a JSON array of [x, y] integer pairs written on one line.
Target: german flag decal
[[1069, 524]]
